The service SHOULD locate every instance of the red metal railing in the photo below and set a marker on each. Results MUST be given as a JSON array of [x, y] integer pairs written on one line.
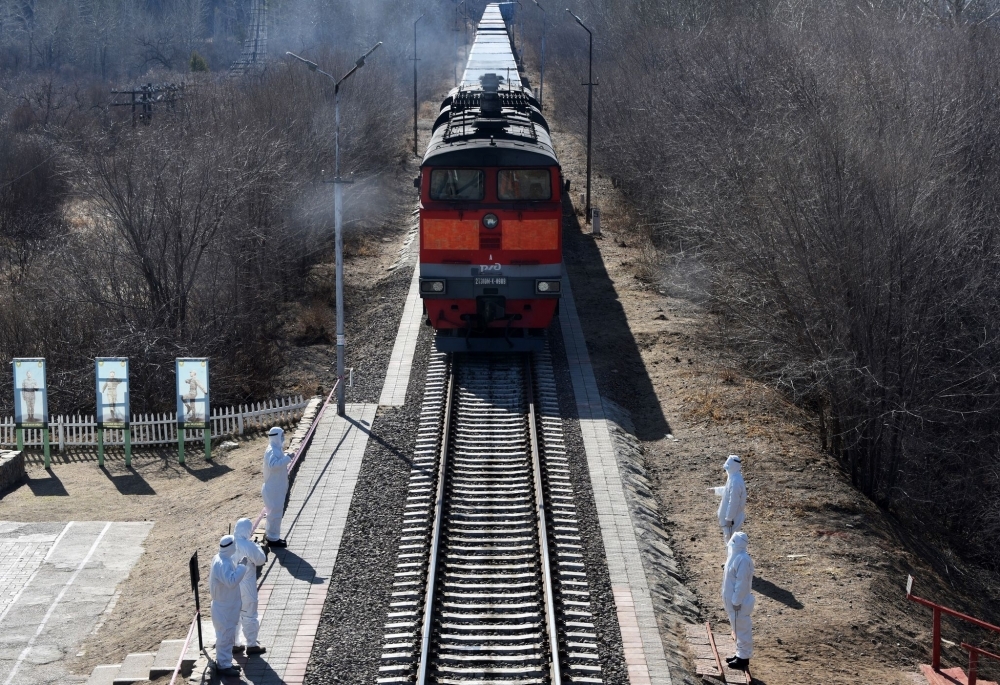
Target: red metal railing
[[187, 642], [974, 652], [302, 445]]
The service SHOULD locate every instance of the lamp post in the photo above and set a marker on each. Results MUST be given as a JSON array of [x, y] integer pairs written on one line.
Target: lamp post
[[454, 49], [415, 154], [337, 207], [541, 79], [590, 106]]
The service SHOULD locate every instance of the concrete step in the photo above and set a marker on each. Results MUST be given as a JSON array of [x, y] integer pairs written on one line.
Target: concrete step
[[168, 654], [103, 675], [135, 668]]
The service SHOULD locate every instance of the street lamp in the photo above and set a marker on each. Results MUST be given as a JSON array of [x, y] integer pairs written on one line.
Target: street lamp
[[337, 206], [415, 85], [590, 106], [541, 80]]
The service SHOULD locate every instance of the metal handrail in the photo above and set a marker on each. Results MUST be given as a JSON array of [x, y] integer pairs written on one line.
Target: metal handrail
[[543, 542], [302, 445], [180, 660], [974, 653], [425, 637], [939, 609]]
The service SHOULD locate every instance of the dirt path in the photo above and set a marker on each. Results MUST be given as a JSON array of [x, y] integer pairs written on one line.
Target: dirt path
[[831, 567]]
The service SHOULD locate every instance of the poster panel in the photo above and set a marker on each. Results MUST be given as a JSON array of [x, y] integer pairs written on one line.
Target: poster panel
[[192, 392], [112, 392], [31, 397]]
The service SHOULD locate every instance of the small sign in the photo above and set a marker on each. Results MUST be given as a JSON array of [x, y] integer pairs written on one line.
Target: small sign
[[112, 392], [192, 393], [31, 397]]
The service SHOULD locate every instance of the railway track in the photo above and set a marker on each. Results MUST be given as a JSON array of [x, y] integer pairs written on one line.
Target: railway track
[[491, 585]]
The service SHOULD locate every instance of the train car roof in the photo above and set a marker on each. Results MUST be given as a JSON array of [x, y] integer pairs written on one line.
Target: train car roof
[[499, 124]]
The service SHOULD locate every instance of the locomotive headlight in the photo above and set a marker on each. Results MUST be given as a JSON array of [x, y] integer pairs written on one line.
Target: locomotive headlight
[[491, 221], [432, 286], [547, 286]]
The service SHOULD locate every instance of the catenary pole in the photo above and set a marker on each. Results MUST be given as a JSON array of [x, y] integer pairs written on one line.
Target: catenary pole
[[590, 107], [337, 213], [541, 78], [415, 103]]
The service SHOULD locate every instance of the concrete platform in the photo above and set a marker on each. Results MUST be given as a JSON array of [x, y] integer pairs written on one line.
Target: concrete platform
[[643, 648], [135, 668], [59, 578]]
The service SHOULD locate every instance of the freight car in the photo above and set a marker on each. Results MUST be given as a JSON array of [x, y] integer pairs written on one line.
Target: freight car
[[490, 210]]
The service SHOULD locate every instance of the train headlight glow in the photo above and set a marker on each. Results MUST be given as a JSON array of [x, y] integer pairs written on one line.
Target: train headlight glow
[[547, 286], [432, 286], [491, 221]]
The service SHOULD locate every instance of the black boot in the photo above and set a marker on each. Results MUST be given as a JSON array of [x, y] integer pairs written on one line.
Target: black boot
[[731, 659], [739, 664]]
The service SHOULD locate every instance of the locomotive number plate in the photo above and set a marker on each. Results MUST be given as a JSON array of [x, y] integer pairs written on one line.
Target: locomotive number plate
[[491, 281]]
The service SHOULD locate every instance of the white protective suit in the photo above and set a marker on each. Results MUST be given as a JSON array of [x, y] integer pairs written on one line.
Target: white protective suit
[[224, 586], [250, 555], [733, 507], [275, 488], [739, 602]]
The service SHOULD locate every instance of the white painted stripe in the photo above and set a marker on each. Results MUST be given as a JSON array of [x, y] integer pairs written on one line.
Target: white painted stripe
[[52, 607], [58, 540], [397, 375], [7, 609]]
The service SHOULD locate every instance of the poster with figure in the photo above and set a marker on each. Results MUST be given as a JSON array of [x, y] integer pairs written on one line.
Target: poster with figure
[[112, 392], [192, 393], [31, 397]]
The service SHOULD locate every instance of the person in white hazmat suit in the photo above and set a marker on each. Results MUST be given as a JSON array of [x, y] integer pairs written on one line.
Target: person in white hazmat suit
[[737, 581], [276, 462], [249, 554], [224, 586], [733, 507]]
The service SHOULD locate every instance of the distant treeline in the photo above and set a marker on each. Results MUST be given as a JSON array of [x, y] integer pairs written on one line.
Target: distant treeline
[[837, 167], [188, 234]]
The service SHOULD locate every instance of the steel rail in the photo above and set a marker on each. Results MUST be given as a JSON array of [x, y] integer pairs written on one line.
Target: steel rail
[[428, 627], [543, 542]]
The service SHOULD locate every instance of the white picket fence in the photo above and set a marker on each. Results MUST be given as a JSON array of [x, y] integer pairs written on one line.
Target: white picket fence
[[158, 429]]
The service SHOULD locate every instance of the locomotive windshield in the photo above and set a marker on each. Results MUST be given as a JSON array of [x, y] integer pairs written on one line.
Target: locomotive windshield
[[457, 184], [524, 184]]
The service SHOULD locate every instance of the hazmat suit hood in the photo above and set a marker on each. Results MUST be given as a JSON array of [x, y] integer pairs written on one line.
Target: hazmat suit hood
[[276, 439], [243, 529], [733, 464], [227, 546], [738, 543]]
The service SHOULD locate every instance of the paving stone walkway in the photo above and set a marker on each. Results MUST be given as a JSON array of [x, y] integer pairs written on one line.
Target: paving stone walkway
[[640, 635], [294, 581], [397, 376]]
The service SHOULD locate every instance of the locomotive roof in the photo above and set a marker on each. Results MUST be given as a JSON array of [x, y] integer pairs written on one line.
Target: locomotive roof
[[492, 118]]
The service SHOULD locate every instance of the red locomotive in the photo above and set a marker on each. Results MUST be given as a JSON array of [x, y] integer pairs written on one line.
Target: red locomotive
[[490, 210]]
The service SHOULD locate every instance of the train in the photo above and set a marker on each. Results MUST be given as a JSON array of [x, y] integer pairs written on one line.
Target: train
[[490, 209]]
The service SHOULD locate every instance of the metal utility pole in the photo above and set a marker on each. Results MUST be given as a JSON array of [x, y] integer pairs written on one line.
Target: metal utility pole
[[454, 48], [337, 207], [590, 106], [541, 79], [415, 104]]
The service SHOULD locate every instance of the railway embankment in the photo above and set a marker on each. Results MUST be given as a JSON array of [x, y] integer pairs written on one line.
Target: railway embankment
[[831, 566]]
